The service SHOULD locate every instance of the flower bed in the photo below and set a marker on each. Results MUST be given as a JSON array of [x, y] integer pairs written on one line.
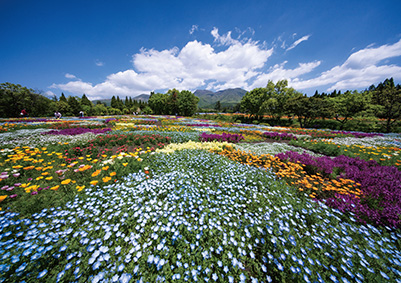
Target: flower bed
[[224, 137]]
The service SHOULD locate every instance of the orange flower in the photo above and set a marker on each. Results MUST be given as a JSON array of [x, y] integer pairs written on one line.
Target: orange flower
[[55, 188], [106, 179], [113, 173], [105, 168], [3, 198], [97, 172], [94, 183], [66, 181]]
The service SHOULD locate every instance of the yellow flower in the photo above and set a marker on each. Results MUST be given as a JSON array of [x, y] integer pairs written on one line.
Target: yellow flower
[[39, 178], [55, 188], [94, 183], [80, 188], [113, 173], [3, 198], [66, 181], [105, 168], [125, 164], [48, 178]]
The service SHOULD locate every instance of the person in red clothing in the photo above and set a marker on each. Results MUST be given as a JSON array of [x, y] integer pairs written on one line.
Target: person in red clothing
[[24, 113]]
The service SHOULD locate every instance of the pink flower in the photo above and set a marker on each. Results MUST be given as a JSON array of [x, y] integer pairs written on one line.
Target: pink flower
[[16, 175], [10, 189], [13, 196], [29, 179], [4, 187], [3, 176], [17, 184], [34, 193]]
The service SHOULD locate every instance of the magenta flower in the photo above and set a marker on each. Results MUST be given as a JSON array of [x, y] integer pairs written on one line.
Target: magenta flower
[[10, 189], [16, 175], [4, 187], [17, 184], [34, 193], [13, 196]]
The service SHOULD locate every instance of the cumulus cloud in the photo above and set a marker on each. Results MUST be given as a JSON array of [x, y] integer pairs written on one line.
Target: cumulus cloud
[[304, 38], [196, 65], [230, 63], [361, 69]]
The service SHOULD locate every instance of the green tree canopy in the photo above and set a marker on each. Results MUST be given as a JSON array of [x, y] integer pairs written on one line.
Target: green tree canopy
[[387, 97]]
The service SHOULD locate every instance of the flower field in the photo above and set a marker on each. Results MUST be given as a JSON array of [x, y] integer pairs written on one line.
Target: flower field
[[173, 199]]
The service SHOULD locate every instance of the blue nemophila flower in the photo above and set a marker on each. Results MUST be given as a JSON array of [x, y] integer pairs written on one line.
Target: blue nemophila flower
[[42, 273]]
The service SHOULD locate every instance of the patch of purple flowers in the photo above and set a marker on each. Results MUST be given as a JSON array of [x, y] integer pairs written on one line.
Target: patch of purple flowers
[[279, 136], [76, 131], [380, 202], [224, 137]]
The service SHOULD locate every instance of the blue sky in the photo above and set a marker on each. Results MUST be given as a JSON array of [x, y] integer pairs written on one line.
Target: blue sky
[[126, 48]]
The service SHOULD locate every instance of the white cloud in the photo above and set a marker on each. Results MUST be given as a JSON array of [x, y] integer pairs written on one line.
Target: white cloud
[[231, 63], [193, 29], [304, 38], [278, 72], [49, 93], [99, 63], [196, 65], [70, 76], [224, 39], [360, 70]]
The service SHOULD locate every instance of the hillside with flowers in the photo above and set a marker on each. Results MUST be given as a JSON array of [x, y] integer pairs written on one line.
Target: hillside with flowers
[[170, 198]]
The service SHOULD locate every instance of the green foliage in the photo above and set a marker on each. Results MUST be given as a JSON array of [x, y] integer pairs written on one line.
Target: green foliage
[[14, 98], [387, 98], [347, 105], [182, 103]]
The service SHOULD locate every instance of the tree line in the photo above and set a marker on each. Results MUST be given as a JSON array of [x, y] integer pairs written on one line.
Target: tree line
[[278, 100], [14, 98]]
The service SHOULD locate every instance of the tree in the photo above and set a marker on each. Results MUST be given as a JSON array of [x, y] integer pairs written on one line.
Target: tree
[[14, 98], [218, 106], [113, 102], [347, 105], [86, 101], [251, 102], [187, 103], [63, 98], [307, 109], [158, 103], [276, 97], [387, 97], [74, 105], [172, 101]]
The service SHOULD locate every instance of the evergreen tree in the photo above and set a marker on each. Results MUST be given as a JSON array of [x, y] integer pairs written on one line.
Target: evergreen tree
[[63, 98]]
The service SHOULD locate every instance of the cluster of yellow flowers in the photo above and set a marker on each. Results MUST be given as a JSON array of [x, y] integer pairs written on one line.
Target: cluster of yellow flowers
[[214, 146]]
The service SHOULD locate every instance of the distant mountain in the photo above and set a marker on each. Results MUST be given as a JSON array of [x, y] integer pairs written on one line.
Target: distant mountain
[[228, 97], [142, 97]]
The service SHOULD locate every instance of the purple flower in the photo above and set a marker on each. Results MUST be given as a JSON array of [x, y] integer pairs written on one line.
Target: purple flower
[[224, 137], [13, 196]]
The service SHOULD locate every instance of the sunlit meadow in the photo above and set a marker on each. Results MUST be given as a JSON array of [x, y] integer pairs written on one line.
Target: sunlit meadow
[[174, 199]]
